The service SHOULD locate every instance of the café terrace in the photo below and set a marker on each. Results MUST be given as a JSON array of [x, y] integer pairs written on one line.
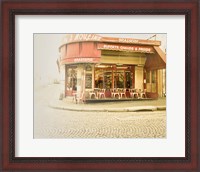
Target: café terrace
[[109, 68]]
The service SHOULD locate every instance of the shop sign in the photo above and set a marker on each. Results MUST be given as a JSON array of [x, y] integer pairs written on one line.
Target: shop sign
[[83, 59], [144, 49], [138, 41], [130, 41], [80, 60], [69, 38], [81, 37]]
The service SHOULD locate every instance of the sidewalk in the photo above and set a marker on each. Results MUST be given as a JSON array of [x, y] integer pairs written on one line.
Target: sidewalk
[[128, 106]]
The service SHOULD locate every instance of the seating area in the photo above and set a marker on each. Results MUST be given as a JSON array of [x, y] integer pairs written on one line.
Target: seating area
[[117, 93], [108, 95]]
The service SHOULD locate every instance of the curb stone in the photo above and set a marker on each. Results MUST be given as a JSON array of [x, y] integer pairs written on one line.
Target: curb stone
[[131, 109]]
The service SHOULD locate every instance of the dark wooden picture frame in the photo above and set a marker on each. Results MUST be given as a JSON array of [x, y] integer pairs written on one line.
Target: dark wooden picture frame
[[10, 8]]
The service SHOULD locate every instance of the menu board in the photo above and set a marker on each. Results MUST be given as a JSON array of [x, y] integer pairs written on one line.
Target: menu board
[[88, 80]]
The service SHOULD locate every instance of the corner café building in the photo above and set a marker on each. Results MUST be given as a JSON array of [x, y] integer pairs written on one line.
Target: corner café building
[[93, 62]]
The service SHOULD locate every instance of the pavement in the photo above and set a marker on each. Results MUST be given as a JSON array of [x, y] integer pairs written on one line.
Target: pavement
[[72, 122], [124, 106]]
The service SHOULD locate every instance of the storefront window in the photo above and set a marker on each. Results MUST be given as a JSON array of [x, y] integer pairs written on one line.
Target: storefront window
[[148, 77], [72, 79], [108, 79], [128, 79], [148, 81], [164, 82], [119, 79], [151, 81], [153, 76], [99, 78], [111, 76]]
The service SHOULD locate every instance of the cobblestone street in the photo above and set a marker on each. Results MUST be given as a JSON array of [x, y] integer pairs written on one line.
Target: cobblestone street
[[65, 124], [53, 123]]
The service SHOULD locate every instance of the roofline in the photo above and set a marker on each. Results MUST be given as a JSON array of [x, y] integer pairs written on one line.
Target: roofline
[[75, 38]]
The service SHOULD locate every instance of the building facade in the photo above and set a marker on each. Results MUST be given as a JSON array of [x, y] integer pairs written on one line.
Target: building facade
[[92, 62]]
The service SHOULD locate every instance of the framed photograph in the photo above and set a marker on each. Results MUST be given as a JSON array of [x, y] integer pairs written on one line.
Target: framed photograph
[[99, 85]]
